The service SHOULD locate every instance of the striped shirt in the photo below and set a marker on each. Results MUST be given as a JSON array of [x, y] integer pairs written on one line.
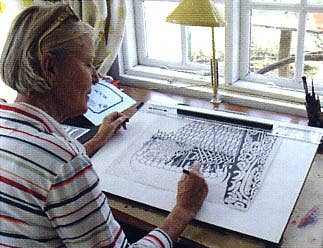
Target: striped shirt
[[50, 194]]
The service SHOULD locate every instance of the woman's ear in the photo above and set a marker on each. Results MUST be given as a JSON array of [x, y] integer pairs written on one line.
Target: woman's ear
[[47, 63]]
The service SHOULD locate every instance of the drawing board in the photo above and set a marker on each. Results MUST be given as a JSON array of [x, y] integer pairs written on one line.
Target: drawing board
[[254, 177]]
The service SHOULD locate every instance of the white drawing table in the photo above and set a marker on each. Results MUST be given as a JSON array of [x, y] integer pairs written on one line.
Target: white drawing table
[[298, 231]]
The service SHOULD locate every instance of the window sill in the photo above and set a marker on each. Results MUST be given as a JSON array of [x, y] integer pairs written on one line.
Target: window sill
[[242, 93]]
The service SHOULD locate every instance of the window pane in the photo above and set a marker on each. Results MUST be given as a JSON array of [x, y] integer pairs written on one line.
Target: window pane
[[200, 42], [162, 36], [313, 67], [273, 43]]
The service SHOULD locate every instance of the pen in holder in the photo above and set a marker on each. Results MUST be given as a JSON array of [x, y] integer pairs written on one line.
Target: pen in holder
[[313, 106]]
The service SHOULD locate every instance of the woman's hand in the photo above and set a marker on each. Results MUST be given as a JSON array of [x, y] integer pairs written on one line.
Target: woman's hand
[[110, 125], [191, 191]]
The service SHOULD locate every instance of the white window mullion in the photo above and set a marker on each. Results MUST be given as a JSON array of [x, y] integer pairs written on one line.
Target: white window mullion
[[245, 26], [140, 31], [184, 45], [128, 56], [232, 18], [299, 59]]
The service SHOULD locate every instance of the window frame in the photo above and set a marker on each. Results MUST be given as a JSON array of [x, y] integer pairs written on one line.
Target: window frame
[[237, 86], [141, 43], [302, 8]]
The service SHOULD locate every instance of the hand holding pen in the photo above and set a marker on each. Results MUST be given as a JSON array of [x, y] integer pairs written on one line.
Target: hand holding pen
[[192, 190], [110, 125]]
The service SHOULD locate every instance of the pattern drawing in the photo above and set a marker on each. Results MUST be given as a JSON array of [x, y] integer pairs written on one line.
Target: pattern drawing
[[236, 156]]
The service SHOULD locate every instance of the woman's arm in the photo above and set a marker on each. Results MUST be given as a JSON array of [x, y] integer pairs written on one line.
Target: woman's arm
[[110, 125], [191, 193]]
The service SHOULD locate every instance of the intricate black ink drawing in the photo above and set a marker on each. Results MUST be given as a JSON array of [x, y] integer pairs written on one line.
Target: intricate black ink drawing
[[236, 155]]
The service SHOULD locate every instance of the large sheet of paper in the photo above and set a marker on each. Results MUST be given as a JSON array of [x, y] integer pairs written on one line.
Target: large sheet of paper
[[254, 178]]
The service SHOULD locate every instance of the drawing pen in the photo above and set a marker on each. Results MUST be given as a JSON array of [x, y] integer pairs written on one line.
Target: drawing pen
[[164, 110], [305, 85], [248, 123], [183, 104], [139, 106], [313, 91], [307, 95]]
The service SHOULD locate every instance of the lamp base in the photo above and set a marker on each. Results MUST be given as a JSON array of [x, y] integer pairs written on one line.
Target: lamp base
[[216, 99]]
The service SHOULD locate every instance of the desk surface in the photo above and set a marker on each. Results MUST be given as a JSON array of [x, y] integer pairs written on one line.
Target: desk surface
[[305, 226]]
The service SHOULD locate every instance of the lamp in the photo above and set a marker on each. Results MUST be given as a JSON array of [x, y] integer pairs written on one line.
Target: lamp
[[201, 13]]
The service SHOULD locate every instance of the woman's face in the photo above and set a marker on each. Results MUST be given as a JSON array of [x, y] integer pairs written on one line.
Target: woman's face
[[74, 77]]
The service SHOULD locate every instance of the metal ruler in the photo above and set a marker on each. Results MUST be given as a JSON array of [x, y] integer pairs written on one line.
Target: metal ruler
[[276, 128]]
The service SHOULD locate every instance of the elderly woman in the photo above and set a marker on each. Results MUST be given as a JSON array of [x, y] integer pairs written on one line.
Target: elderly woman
[[50, 193]]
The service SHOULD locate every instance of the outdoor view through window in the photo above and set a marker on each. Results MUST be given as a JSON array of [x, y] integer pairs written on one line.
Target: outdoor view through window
[[278, 41], [273, 40], [274, 43]]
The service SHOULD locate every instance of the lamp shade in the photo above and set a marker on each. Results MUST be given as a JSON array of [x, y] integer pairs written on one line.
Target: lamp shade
[[196, 13]]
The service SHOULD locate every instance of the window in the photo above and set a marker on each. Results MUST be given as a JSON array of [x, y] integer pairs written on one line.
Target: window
[[285, 42], [8, 10], [174, 46], [264, 50]]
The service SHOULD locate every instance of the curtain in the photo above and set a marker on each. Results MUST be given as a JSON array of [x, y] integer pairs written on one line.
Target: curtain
[[110, 38], [108, 19]]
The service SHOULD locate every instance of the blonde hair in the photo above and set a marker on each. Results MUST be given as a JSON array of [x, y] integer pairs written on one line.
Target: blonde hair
[[31, 32]]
